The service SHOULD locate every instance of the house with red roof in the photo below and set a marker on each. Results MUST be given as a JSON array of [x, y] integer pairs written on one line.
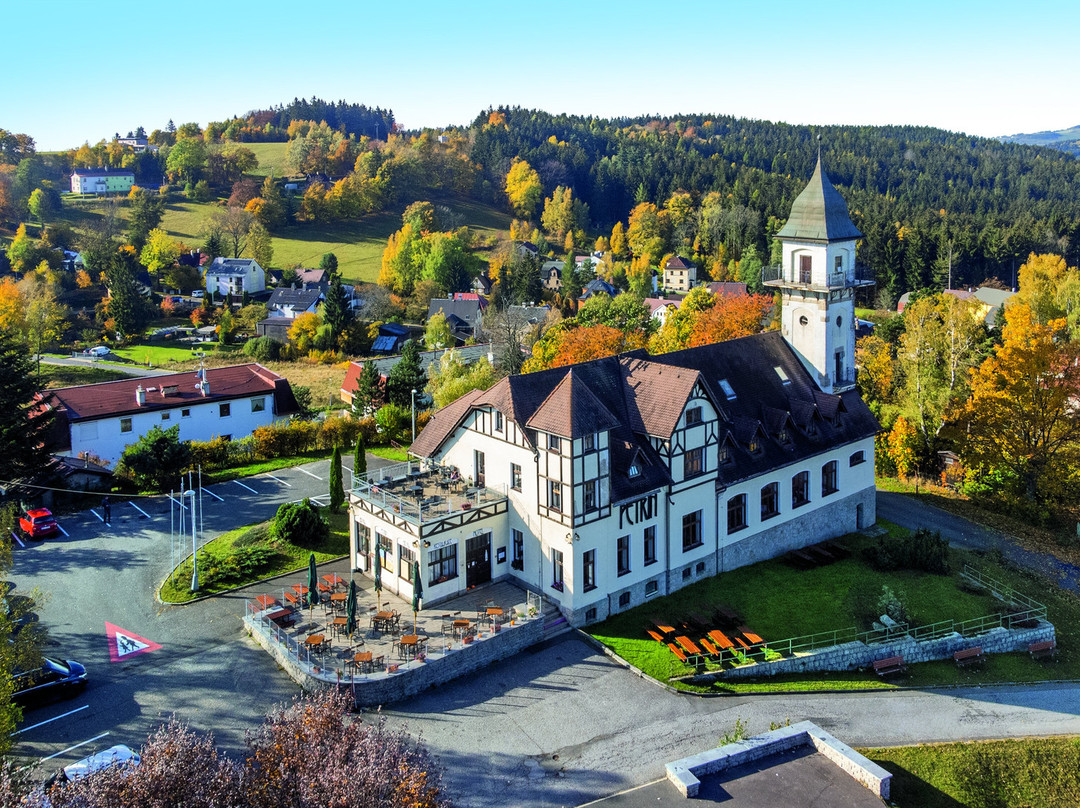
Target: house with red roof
[[102, 419]]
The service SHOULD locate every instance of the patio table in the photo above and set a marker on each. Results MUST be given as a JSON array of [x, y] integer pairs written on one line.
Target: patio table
[[461, 627], [339, 597], [339, 625], [721, 639], [362, 660], [688, 645], [408, 645], [333, 579], [266, 601], [316, 642]]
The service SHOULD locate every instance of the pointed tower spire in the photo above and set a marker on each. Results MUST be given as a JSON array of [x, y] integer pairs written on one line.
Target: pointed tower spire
[[817, 280]]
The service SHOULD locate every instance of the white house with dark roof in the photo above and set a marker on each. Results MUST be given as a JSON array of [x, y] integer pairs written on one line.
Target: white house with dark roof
[[610, 482], [103, 419], [235, 276]]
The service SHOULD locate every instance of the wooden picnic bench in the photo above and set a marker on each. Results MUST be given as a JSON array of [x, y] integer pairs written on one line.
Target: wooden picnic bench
[[721, 639], [1043, 650], [677, 651], [969, 656], [655, 636], [711, 649], [282, 617], [688, 645], [753, 638], [663, 628], [801, 559], [889, 666], [728, 614]]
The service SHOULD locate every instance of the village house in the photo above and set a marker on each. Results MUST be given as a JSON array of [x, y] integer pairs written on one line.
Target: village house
[[610, 482], [101, 180], [101, 420], [235, 276], [680, 275]]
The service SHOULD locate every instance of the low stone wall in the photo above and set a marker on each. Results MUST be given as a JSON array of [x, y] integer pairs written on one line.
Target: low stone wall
[[852, 655], [685, 774], [371, 690]]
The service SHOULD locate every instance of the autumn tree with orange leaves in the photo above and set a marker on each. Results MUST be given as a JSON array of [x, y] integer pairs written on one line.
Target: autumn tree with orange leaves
[[1021, 426], [705, 318]]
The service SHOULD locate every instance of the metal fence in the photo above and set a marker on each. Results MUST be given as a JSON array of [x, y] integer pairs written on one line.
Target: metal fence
[[1020, 610]]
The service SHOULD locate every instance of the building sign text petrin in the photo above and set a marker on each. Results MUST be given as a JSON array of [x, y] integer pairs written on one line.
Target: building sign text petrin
[[640, 510]]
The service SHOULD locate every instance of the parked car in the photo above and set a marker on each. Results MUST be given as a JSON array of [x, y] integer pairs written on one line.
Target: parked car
[[53, 680], [100, 350], [176, 299], [118, 755], [199, 293], [39, 524]]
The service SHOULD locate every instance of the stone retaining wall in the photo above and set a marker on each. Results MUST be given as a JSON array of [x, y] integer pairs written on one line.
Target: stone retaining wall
[[442, 666], [852, 655], [685, 774]]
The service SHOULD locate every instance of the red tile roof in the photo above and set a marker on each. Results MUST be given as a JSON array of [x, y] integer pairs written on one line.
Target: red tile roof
[[110, 399], [571, 410]]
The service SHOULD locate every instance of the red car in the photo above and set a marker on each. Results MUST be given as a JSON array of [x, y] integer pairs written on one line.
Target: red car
[[39, 524]]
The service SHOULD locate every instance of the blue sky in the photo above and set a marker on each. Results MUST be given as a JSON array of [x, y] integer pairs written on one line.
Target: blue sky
[[82, 71]]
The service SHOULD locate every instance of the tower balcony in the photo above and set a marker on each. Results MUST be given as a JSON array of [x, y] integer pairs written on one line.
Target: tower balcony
[[776, 276]]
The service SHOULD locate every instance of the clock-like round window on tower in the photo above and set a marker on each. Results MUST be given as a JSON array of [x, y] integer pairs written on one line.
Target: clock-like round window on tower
[[803, 320], [838, 321]]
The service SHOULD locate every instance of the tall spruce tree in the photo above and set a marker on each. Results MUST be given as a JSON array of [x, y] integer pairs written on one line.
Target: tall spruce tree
[[337, 489], [336, 311], [406, 376], [359, 466], [23, 429]]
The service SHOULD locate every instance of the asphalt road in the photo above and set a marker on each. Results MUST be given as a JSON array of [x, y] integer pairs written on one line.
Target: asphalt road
[[207, 671], [559, 724]]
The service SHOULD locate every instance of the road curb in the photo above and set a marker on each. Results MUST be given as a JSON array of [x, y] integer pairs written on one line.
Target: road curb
[[201, 598]]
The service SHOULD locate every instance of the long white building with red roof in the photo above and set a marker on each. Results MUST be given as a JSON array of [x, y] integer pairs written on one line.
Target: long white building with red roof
[[103, 419]]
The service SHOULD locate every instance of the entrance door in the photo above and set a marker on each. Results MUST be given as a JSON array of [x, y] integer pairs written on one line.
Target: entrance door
[[805, 265], [477, 560], [478, 462]]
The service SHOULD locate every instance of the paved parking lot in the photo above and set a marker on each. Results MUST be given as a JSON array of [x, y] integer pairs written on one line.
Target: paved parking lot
[[206, 670]]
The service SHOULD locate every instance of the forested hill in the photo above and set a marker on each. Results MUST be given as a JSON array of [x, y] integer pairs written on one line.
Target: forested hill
[[993, 201], [1068, 140]]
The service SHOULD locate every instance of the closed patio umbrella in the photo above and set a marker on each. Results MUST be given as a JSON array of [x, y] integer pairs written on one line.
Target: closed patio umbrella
[[417, 593], [313, 583], [350, 610], [378, 577]]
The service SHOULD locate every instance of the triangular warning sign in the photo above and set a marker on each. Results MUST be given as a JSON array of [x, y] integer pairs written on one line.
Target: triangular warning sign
[[124, 644]]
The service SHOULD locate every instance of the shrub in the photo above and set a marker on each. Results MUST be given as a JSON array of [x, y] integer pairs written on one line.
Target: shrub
[[890, 604], [242, 564], [299, 523], [922, 550], [156, 459], [868, 603], [263, 349], [392, 421]]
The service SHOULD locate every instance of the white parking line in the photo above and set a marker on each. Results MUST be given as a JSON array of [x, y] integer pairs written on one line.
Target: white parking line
[[76, 746], [175, 501], [63, 531], [317, 501], [248, 487], [98, 515], [211, 493], [140, 510], [50, 720], [16, 537], [272, 477], [308, 473]]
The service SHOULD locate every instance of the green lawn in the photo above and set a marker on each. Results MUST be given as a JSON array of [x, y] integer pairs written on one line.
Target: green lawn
[[358, 244], [288, 558], [389, 453], [778, 601], [160, 354], [271, 158], [1032, 773]]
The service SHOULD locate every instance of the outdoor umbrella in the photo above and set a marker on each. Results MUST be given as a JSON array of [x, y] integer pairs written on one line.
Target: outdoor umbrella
[[313, 583], [378, 577], [350, 610], [417, 593]]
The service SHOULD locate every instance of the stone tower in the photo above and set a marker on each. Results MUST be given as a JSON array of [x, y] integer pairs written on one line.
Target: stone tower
[[817, 280]]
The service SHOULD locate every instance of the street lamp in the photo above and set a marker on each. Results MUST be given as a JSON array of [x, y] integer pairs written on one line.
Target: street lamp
[[414, 414], [194, 545]]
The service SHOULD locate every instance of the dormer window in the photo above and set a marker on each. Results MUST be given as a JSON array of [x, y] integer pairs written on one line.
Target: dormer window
[[753, 446], [783, 436], [724, 454], [729, 393], [498, 421], [634, 470], [554, 443]]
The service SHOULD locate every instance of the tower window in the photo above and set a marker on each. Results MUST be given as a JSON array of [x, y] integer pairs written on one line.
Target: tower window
[[805, 263], [839, 320]]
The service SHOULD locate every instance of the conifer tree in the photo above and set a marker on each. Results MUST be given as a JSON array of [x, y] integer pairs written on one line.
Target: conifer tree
[[337, 489]]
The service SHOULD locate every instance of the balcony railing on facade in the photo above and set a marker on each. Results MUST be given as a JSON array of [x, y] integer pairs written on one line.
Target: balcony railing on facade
[[793, 278], [422, 492]]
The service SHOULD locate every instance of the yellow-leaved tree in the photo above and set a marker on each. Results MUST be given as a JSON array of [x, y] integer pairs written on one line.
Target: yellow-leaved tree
[[1021, 423], [524, 189]]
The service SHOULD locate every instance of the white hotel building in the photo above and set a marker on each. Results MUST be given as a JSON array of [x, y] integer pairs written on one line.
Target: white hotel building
[[610, 482]]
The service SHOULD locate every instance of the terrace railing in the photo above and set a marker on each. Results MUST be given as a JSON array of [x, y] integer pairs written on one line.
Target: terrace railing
[[1021, 611]]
